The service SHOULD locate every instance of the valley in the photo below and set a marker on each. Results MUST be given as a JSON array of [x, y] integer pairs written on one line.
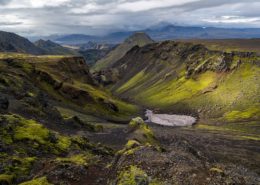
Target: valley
[[63, 122]]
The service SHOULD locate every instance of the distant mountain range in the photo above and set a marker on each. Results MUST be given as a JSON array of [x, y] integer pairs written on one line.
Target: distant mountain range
[[11, 42], [164, 32]]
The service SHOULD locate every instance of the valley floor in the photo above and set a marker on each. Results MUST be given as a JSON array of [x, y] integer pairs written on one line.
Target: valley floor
[[199, 154]]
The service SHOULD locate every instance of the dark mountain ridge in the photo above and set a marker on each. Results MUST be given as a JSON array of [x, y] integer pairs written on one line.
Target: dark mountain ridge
[[11, 42]]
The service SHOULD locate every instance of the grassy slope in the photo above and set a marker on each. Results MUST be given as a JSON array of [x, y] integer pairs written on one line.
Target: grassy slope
[[230, 95], [93, 99]]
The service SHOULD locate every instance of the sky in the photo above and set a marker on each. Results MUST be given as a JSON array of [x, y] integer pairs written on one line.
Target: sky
[[97, 17]]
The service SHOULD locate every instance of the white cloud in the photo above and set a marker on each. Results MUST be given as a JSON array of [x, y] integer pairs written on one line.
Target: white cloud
[[35, 3], [14, 20], [233, 19], [145, 5], [101, 16]]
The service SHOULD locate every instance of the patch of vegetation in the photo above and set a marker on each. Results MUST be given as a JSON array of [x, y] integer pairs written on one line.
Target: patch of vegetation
[[130, 148], [104, 101], [24, 65], [29, 129], [16, 129], [63, 143], [6, 179], [215, 169], [235, 115], [177, 90], [18, 167], [27, 143], [142, 132], [141, 136], [37, 181], [140, 76], [133, 176], [78, 159]]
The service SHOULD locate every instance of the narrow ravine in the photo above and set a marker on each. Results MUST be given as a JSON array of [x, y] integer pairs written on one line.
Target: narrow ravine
[[169, 120]]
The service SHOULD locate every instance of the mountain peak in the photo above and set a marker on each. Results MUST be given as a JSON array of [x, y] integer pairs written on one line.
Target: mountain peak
[[137, 39], [140, 38], [45, 43], [11, 42]]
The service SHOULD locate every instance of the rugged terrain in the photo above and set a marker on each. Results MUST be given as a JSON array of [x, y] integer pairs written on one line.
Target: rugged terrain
[[139, 39], [41, 100], [59, 124], [190, 79], [93, 52]]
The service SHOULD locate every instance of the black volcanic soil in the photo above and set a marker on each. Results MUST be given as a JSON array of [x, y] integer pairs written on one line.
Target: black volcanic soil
[[216, 145]]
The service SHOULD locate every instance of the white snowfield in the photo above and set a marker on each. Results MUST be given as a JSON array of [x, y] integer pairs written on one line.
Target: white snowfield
[[169, 120]]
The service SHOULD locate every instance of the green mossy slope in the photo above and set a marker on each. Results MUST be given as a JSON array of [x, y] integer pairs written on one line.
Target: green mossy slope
[[65, 79], [27, 143], [190, 79]]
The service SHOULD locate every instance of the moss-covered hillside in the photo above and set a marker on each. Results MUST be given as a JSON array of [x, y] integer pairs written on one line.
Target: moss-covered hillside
[[188, 78], [63, 80], [59, 127], [48, 105]]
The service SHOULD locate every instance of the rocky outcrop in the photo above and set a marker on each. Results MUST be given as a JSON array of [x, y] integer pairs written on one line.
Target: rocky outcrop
[[68, 68], [106, 77]]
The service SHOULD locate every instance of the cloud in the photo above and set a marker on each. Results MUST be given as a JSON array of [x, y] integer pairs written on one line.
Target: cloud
[[35, 3], [3, 2], [44, 17], [10, 23], [233, 19]]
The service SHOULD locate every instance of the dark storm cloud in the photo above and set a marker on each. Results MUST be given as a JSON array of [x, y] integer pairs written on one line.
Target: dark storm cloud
[[102, 16]]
